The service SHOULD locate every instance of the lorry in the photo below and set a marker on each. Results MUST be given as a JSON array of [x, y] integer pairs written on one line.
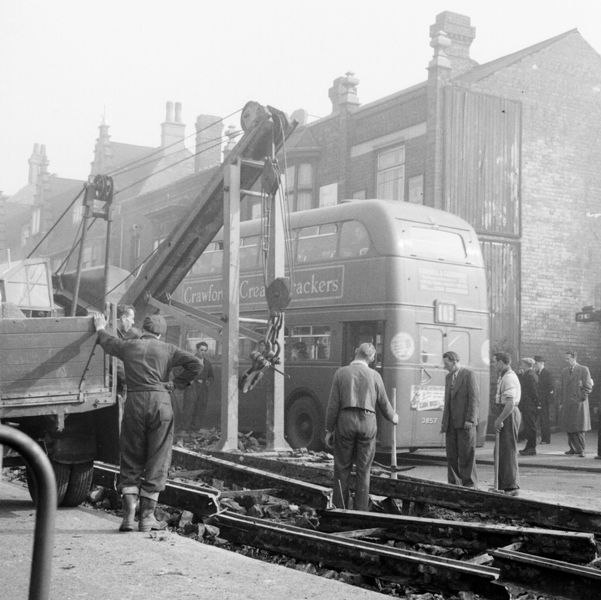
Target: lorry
[[55, 382]]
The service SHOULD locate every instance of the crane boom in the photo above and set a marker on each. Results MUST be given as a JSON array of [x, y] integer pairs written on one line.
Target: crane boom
[[265, 132]]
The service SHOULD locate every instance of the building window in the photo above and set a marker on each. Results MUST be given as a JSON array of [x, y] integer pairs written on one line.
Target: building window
[[35, 221], [300, 186], [390, 176]]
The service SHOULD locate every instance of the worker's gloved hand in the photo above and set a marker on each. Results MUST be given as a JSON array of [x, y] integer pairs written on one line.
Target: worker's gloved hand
[[329, 441], [169, 386], [395, 419]]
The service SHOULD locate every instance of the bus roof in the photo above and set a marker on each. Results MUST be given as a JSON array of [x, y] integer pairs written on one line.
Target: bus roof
[[372, 211]]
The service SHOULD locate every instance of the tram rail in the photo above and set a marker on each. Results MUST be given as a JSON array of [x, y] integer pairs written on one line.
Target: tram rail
[[496, 559]]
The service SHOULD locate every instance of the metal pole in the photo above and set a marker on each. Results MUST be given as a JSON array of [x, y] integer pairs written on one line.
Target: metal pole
[[43, 540], [393, 457], [84, 229], [107, 254], [275, 415], [231, 307]]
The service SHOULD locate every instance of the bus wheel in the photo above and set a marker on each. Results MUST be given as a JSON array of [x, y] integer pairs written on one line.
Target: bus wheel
[[305, 424]]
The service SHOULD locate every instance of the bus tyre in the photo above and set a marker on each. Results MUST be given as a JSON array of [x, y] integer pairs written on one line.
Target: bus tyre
[[305, 424], [80, 482]]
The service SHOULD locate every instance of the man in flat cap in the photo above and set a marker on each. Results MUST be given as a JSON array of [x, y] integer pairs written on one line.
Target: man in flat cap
[[529, 403], [147, 427]]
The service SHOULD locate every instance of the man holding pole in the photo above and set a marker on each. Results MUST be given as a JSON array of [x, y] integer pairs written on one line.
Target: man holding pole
[[351, 424], [459, 421], [507, 425]]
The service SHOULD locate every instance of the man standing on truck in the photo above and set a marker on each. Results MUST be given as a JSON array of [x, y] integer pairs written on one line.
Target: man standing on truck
[[351, 420], [147, 427]]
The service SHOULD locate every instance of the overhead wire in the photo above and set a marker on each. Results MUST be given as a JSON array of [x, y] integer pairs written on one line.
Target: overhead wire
[[45, 236], [134, 164]]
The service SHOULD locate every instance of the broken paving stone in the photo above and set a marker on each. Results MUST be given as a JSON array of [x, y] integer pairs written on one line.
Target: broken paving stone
[[186, 518], [211, 531], [352, 578], [232, 505], [255, 511], [306, 568]]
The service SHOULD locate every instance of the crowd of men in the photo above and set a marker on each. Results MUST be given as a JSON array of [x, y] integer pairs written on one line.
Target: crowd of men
[[522, 407], [159, 380]]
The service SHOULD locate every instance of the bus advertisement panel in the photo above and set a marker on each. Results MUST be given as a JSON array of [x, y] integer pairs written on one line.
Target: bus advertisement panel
[[408, 278]]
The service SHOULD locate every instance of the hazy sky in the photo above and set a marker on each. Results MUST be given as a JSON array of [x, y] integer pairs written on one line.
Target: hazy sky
[[66, 63]]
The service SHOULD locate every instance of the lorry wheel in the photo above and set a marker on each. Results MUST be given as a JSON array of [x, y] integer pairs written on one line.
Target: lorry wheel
[[62, 474], [72, 482], [305, 424], [80, 481]]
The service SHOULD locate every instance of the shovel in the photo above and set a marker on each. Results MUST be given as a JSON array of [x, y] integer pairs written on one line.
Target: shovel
[[393, 462]]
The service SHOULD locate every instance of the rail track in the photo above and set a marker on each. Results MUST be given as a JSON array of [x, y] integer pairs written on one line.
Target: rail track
[[523, 547]]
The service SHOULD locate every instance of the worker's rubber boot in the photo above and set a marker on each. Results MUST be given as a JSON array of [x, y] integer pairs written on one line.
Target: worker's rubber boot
[[129, 502], [148, 521]]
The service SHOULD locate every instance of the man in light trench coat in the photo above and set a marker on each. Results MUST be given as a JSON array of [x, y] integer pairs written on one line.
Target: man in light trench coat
[[576, 385]]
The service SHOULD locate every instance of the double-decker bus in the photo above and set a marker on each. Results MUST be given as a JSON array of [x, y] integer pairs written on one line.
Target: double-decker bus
[[406, 277]]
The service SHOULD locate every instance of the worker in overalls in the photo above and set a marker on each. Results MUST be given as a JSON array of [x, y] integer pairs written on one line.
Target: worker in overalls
[[147, 428]]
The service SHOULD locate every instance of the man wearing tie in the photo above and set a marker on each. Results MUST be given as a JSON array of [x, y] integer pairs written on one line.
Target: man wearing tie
[[460, 420]]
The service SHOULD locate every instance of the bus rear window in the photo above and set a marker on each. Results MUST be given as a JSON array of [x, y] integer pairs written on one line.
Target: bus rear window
[[426, 242]]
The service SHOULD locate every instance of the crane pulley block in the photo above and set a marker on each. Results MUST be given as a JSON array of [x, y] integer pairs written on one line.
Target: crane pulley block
[[99, 196]]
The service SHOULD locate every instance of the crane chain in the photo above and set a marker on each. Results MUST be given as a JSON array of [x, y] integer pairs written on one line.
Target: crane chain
[[263, 359]]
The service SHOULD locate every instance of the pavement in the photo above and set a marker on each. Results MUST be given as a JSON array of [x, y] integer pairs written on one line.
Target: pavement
[[547, 455], [93, 561]]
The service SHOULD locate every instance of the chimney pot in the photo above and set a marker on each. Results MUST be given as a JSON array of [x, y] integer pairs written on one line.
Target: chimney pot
[[169, 112], [178, 112]]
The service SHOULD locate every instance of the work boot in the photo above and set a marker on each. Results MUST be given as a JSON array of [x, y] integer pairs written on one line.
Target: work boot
[[129, 502], [148, 521]]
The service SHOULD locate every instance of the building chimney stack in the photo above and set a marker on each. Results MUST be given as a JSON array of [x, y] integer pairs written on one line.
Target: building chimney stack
[[38, 163], [459, 31], [343, 94], [173, 131]]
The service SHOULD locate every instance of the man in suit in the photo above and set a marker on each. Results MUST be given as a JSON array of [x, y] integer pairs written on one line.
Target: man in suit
[[529, 403], [576, 385], [460, 420], [546, 392]]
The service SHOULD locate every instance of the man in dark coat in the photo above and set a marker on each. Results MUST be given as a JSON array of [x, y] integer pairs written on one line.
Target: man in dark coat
[[147, 426], [460, 420], [529, 404], [351, 420], [546, 395], [576, 385], [191, 404]]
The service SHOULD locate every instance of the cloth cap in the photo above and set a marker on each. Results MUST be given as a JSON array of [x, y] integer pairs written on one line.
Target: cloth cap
[[539, 358], [528, 361], [155, 324]]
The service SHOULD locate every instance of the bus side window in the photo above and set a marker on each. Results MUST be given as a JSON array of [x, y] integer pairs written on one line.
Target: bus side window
[[308, 342], [354, 240]]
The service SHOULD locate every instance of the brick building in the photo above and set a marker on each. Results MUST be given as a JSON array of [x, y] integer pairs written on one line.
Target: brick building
[[513, 146]]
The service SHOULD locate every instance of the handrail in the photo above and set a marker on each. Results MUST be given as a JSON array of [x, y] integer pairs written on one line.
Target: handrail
[[45, 498]]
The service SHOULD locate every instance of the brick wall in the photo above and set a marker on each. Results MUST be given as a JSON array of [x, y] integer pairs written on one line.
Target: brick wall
[[560, 88]]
